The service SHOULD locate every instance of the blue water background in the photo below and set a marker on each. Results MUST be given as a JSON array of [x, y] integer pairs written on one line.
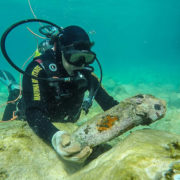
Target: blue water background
[[136, 41], [131, 36]]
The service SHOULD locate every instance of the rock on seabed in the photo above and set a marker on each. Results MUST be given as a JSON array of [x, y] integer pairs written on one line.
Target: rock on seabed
[[143, 155]]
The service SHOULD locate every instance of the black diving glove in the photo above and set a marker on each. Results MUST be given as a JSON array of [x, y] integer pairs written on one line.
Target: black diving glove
[[87, 103]]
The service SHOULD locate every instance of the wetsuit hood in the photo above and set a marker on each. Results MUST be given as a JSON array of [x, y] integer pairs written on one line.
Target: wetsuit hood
[[75, 34]]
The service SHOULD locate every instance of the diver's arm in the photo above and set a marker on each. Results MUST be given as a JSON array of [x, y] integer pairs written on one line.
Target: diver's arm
[[102, 97], [37, 116], [40, 124], [34, 95]]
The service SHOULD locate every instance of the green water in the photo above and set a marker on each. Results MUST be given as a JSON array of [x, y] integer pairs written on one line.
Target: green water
[[136, 41]]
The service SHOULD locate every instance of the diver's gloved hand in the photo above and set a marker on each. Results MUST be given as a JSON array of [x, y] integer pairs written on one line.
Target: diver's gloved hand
[[87, 103], [61, 142], [8, 80]]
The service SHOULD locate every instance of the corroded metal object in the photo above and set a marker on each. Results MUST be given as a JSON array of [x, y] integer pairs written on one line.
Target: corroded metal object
[[138, 110]]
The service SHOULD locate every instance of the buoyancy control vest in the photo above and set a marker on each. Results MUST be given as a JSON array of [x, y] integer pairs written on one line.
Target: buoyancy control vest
[[54, 71]]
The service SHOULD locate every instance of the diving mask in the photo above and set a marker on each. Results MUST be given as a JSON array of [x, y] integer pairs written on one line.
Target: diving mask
[[79, 57], [79, 53]]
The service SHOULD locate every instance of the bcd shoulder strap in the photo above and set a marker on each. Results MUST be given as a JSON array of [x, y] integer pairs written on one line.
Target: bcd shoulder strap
[[49, 67]]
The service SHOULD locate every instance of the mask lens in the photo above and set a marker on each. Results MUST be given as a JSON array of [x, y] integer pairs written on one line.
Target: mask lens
[[78, 58]]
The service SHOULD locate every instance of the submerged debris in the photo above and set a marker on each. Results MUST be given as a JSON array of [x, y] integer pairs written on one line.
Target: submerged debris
[[138, 110]]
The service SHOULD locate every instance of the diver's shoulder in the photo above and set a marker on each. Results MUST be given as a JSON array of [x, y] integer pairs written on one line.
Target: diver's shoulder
[[35, 64], [40, 62]]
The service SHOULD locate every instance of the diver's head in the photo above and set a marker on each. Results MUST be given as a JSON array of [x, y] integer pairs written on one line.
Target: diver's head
[[75, 49], [70, 68], [73, 34]]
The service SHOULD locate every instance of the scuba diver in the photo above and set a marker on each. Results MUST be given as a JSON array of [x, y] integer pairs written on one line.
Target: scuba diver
[[44, 102]]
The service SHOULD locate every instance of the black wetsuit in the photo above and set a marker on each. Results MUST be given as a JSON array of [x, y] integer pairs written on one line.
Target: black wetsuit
[[43, 104]]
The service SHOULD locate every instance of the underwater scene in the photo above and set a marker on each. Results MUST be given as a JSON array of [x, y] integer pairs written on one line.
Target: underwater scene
[[137, 43]]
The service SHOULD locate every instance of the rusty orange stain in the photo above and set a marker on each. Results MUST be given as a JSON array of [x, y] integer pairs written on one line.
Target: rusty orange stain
[[106, 123]]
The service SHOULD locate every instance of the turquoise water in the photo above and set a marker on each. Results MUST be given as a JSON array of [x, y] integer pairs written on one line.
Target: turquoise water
[[137, 42]]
